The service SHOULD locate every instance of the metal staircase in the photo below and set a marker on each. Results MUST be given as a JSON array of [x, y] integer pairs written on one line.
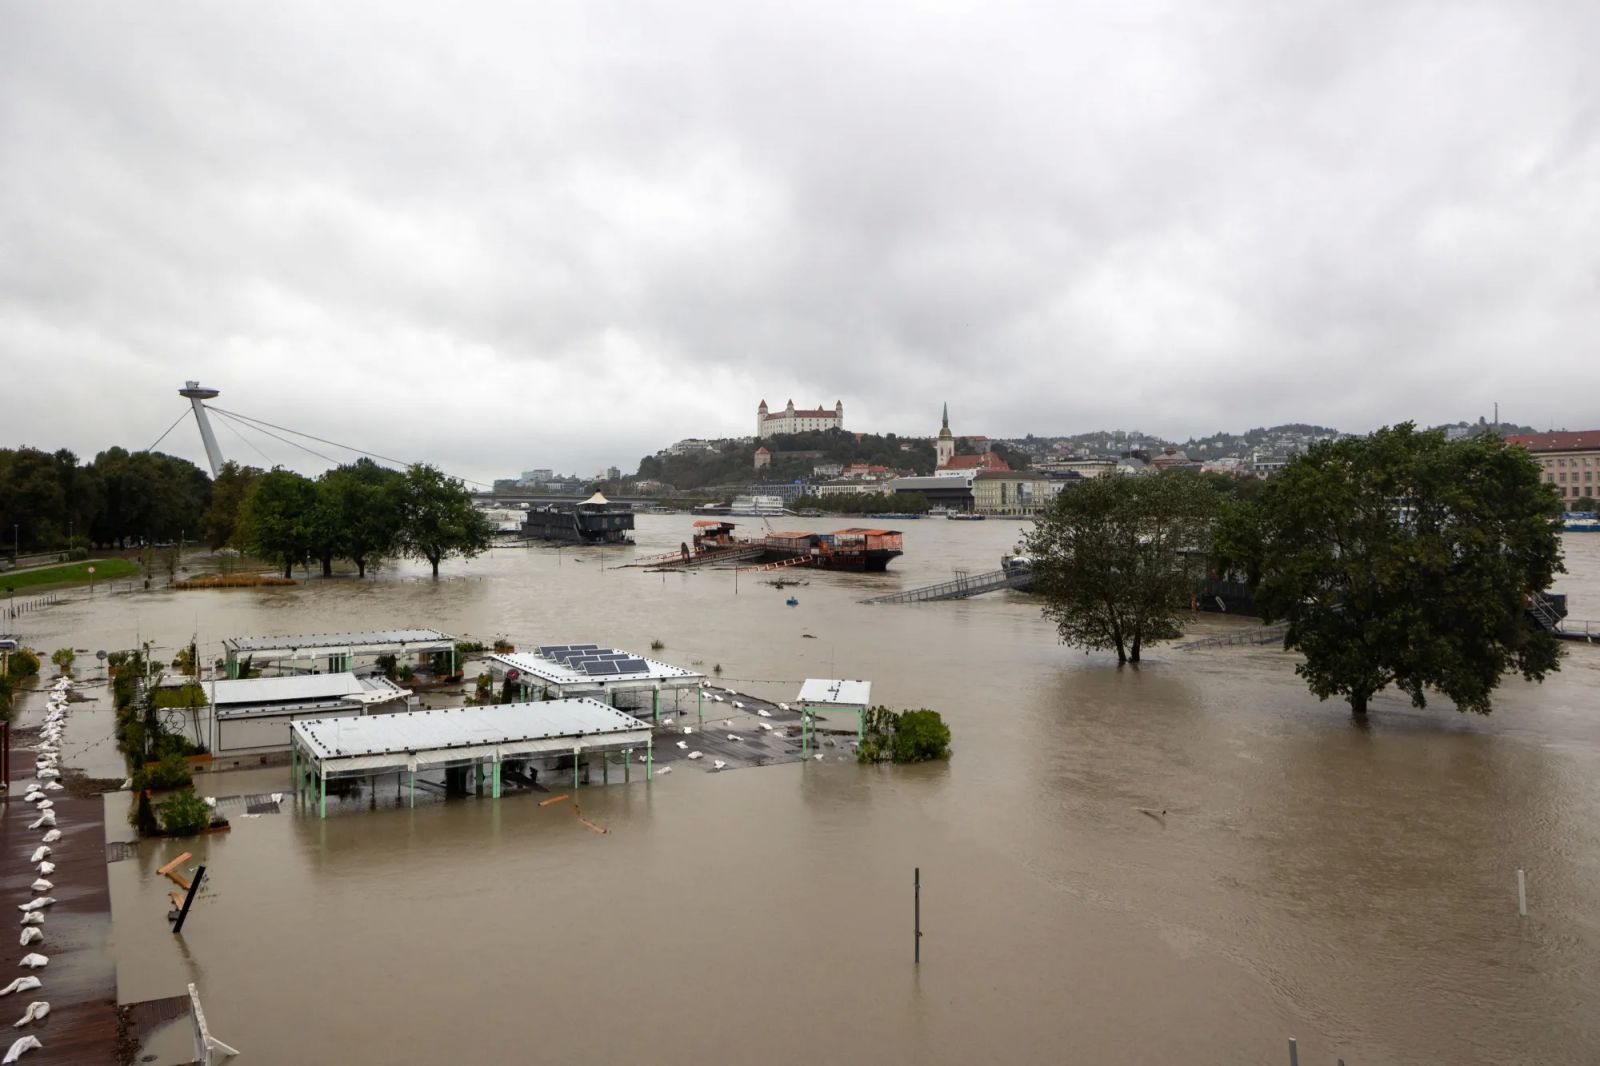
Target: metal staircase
[[962, 587]]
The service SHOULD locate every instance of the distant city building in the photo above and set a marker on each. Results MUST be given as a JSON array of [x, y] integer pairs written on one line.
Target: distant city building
[[652, 487], [535, 477], [827, 470], [846, 487], [1265, 464], [793, 420], [1080, 467], [1010, 492], [952, 491], [763, 458], [691, 446], [1566, 460]]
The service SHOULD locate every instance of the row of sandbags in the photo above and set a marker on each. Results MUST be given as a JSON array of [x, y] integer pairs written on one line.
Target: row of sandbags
[[47, 780]]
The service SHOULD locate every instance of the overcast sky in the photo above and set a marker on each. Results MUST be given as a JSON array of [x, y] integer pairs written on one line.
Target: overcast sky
[[566, 234]]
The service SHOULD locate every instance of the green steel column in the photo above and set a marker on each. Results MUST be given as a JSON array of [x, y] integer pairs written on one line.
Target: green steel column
[[478, 766], [700, 706], [322, 784], [605, 768], [413, 789], [497, 777], [861, 725], [452, 660], [627, 759], [649, 761], [574, 769], [294, 760], [655, 704]]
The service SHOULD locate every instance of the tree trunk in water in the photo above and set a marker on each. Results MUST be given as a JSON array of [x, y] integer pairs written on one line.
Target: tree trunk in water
[[288, 568], [1358, 705], [361, 566], [327, 566], [434, 559], [1134, 656]]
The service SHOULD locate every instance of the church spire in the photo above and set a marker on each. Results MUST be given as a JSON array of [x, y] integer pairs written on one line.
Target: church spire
[[946, 423]]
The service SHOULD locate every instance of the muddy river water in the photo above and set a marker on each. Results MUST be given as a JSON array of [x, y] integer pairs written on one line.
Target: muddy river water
[[1354, 888]]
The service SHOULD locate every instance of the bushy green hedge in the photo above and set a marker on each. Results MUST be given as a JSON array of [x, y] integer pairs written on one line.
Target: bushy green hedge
[[184, 814], [912, 736]]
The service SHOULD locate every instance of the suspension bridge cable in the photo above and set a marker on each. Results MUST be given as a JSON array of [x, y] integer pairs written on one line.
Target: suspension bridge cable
[[169, 430], [231, 429], [286, 440], [322, 440]]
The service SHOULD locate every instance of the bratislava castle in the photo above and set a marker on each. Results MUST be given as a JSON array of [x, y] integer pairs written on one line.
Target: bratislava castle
[[791, 420]]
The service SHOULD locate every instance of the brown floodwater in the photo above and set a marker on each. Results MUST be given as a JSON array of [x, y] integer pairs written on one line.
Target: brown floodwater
[[1354, 888]]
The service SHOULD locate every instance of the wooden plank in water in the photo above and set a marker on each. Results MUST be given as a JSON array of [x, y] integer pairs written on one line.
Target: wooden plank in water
[[174, 864], [553, 799]]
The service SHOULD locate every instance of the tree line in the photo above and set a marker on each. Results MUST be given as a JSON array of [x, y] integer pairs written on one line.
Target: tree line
[[1399, 559], [362, 512], [51, 502]]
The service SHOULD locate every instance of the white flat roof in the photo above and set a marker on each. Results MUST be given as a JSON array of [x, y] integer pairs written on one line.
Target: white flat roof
[[370, 639], [554, 672], [823, 691], [419, 738], [294, 688], [272, 695]]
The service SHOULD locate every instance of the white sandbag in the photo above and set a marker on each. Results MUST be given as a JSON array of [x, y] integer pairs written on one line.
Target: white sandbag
[[36, 1010], [34, 797], [33, 961], [33, 918], [22, 984], [30, 935], [53, 786], [52, 836], [25, 1043], [696, 755], [45, 775], [39, 853], [41, 885], [47, 818], [43, 804], [36, 904], [663, 770], [46, 869], [277, 797], [718, 764]]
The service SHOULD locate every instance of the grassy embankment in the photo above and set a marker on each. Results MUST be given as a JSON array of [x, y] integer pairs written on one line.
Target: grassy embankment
[[69, 574]]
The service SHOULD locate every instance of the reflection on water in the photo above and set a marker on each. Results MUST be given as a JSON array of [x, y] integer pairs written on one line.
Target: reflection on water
[[1352, 887]]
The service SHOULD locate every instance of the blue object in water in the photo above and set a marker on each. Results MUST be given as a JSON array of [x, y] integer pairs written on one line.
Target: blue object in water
[[792, 602]]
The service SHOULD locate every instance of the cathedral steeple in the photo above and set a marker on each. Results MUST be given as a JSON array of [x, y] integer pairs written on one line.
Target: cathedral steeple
[[944, 448], [946, 422]]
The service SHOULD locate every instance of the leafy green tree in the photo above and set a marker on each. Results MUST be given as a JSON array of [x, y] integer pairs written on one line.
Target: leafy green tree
[[220, 523], [63, 657], [365, 499], [437, 518], [1583, 503], [1404, 559], [276, 518], [1116, 559]]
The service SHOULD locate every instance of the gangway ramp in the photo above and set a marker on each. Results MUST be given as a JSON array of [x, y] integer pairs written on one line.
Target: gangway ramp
[[961, 588]]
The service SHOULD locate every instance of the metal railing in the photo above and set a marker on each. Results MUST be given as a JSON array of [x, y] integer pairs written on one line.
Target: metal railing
[[1270, 634], [960, 588]]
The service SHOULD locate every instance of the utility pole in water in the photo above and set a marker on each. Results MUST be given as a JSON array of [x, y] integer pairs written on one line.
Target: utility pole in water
[[916, 914]]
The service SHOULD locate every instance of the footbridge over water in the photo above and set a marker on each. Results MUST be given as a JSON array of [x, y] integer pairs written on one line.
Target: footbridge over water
[[963, 586]]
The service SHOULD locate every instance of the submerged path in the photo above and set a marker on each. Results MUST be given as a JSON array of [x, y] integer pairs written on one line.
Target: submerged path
[[764, 739], [80, 981]]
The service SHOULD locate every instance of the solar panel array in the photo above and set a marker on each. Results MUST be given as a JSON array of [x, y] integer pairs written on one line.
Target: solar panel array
[[589, 659]]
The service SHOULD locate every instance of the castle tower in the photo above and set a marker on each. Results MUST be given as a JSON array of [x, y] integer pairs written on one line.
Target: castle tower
[[761, 419], [944, 448]]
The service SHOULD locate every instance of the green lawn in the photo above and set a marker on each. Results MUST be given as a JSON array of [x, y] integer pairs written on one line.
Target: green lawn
[[68, 574]]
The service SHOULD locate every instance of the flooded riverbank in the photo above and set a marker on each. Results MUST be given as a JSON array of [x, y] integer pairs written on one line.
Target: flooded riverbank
[[1353, 887]]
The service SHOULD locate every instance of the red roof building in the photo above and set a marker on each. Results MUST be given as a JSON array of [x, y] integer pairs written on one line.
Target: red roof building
[[981, 461], [1569, 461]]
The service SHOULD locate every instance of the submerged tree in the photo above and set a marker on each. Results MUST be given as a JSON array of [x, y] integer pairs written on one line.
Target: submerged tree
[[359, 506], [1404, 559], [1117, 559], [276, 520], [437, 518]]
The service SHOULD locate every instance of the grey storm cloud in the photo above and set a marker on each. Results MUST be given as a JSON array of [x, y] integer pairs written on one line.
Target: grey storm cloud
[[500, 236]]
